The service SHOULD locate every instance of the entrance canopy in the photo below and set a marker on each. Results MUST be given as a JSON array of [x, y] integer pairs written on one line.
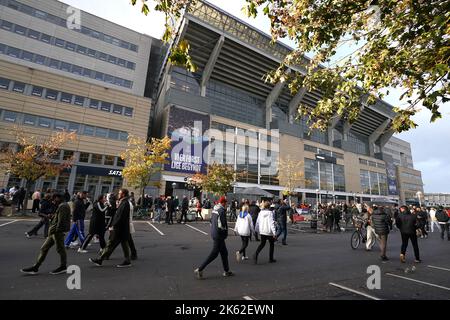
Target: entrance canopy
[[255, 191]]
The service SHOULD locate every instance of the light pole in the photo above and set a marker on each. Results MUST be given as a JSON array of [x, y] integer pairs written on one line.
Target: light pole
[[317, 198]]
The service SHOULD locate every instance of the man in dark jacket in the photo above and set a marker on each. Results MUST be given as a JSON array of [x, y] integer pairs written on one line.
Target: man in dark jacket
[[443, 220], [254, 211], [78, 215], [120, 229], [381, 222], [59, 225], [46, 210], [281, 215], [407, 224], [184, 209], [170, 210], [66, 196], [219, 232]]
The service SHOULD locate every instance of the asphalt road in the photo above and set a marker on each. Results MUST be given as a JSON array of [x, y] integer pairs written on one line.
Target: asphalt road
[[312, 266]]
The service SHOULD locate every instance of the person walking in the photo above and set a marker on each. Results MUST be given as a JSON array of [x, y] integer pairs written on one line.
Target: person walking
[[422, 218], [254, 211], [36, 197], [66, 195], [281, 217], [159, 204], [45, 212], [371, 235], [433, 220], [381, 222], [233, 208], [244, 228], [265, 227], [120, 232], [79, 213], [60, 224], [219, 232], [111, 205], [21, 195], [133, 252], [184, 209], [337, 215], [170, 210], [97, 225], [443, 220], [406, 222]]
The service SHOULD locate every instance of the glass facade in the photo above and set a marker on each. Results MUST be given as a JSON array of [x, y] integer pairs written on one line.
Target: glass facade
[[374, 183], [331, 176]]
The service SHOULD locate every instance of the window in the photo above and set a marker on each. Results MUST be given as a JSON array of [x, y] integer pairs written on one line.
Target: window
[[120, 162], [87, 72], [362, 161], [2, 48], [117, 109], [91, 52], [61, 125], [37, 91], [372, 164], [51, 94], [107, 38], [39, 14], [124, 44], [67, 154], [79, 101], [95, 34], [39, 59], [76, 69], [4, 83], [33, 34], [84, 157], [60, 43], [45, 38], [27, 56], [113, 134], [119, 82], [101, 132], [109, 78], [93, 104], [310, 148], [128, 111], [70, 46], [10, 116], [6, 25], [66, 97], [88, 130], [109, 161], [133, 47], [74, 127], [20, 30], [45, 122], [99, 76], [121, 62], [128, 84], [115, 41], [13, 52], [54, 63], [105, 106], [112, 59], [123, 136], [66, 66], [19, 87], [29, 120], [96, 158], [102, 56], [130, 65], [81, 49]]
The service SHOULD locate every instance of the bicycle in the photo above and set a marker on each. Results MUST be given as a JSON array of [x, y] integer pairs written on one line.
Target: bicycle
[[142, 213], [360, 234]]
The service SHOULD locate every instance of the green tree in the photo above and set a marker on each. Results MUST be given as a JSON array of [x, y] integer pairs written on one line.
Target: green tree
[[402, 44]]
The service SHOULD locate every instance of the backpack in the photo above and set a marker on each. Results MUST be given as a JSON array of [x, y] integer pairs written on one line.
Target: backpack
[[441, 216]]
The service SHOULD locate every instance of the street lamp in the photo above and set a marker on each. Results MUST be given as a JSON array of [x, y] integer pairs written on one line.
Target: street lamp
[[317, 198]]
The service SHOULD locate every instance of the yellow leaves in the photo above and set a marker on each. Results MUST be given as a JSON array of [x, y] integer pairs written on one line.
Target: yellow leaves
[[290, 173]]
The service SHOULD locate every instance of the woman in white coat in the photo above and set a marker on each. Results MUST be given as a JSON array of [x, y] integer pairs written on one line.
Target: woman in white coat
[[244, 228], [265, 226]]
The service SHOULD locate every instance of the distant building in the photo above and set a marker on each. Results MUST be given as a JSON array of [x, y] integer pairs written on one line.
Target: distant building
[[437, 199]]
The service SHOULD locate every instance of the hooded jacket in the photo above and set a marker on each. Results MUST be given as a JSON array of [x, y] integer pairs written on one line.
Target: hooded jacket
[[219, 226], [381, 221], [244, 224], [406, 222], [265, 224]]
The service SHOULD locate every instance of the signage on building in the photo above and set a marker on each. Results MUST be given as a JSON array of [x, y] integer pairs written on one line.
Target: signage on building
[[391, 178], [98, 171], [187, 131], [325, 158]]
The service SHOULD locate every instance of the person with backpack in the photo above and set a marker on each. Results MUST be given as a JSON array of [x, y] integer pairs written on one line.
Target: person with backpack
[[443, 220], [254, 211], [381, 222], [244, 228], [60, 224], [407, 222], [266, 228], [219, 232]]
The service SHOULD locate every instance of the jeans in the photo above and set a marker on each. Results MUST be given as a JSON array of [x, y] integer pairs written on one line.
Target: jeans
[[43, 222], [183, 214], [383, 244], [444, 229], [54, 239], [169, 217], [264, 238], [244, 246], [78, 229], [158, 214], [433, 224], [282, 230], [413, 238], [112, 244], [218, 247]]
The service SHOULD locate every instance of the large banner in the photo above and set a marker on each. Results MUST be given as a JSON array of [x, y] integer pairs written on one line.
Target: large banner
[[187, 129], [391, 178]]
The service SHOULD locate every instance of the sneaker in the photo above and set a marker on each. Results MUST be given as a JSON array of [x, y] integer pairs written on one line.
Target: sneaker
[[73, 245], [124, 264], [30, 270], [133, 257], [82, 251], [59, 270], [97, 262], [272, 261], [238, 256], [228, 274], [384, 258], [27, 235], [417, 261], [244, 258], [198, 273], [402, 258], [284, 244]]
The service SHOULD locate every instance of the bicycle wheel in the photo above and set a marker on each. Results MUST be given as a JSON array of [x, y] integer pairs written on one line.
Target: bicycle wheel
[[355, 240]]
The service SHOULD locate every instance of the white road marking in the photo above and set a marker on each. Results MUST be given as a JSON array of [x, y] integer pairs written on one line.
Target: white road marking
[[195, 229], [155, 228], [1, 225], [418, 281], [248, 298], [354, 291], [439, 268], [290, 228]]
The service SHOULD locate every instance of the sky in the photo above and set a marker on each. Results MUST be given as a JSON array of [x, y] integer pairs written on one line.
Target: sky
[[430, 142]]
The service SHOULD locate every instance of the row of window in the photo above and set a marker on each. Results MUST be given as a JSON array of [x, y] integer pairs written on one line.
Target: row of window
[[50, 94], [373, 183], [33, 34], [62, 22], [324, 176], [372, 163], [316, 150], [56, 124], [244, 132], [410, 176], [106, 160], [63, 66], [412, 187]]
